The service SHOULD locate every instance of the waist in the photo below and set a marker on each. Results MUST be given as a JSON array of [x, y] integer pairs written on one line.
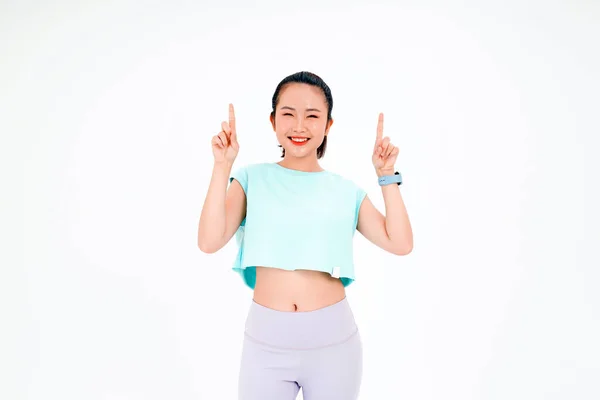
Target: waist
[[324, 327], [299, 290]]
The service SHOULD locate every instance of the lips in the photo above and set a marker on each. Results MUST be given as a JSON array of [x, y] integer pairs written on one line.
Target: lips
[[298, 140]]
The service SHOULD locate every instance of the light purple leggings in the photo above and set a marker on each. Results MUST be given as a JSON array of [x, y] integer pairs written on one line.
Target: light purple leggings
[[319, 351]]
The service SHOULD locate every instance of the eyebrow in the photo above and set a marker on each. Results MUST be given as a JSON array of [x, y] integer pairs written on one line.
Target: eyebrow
[[293, 109]]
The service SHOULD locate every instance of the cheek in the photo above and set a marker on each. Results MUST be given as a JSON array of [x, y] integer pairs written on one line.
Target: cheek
[[318, 126], [282, 128]]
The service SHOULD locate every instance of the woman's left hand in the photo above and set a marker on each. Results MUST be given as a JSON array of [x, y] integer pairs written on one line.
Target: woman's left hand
[[384, 152]]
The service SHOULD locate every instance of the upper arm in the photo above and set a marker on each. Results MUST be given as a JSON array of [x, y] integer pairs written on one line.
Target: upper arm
[[371, 224], [235, 209]]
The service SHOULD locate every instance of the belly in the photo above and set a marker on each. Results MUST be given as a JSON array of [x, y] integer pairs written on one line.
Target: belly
[[299, 290]]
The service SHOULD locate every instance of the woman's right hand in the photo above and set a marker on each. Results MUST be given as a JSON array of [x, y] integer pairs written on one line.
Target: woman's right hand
[[225, 145]]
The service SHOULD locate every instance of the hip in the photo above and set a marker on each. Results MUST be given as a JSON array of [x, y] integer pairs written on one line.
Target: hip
[[324, 327]]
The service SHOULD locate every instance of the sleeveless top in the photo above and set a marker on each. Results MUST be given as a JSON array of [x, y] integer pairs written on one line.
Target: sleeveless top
[[296, 220]]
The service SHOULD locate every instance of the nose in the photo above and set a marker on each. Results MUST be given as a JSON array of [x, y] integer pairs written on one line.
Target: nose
[[299, 125]]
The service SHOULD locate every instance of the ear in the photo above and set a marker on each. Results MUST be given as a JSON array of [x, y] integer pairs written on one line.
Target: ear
[[272, 119], [328, 126]]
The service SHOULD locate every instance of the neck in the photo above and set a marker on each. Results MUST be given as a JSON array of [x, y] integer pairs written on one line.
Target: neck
[[301, 164]]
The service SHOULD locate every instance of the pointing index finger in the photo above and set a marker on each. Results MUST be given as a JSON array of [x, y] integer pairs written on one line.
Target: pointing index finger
[[231, 118], [380, 126]]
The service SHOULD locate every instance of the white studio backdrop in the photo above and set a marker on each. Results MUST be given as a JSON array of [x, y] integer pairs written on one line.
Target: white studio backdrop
[[106, 113]]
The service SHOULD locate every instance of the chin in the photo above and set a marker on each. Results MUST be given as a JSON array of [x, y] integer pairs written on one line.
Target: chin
[[300, 152]]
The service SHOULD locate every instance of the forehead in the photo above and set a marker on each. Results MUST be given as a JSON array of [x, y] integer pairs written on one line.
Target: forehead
[[301, 94]]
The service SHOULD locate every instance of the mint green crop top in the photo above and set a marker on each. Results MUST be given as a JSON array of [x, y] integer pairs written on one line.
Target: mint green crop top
[[296, 220]]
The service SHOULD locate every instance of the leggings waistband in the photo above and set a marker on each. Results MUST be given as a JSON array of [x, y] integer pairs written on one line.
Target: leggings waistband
[[301, 330]]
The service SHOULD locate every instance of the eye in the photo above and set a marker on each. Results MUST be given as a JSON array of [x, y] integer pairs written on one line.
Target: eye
[[313, 116], [287, 114]]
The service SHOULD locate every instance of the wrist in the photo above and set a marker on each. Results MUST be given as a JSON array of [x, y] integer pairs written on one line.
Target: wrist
[[223, 167], [223, 164], [384, 172]]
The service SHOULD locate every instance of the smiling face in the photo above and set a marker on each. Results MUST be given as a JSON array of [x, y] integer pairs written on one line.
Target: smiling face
[[300, 120]]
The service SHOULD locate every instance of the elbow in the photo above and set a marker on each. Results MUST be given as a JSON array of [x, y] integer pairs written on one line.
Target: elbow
[[207, 247], [403, 250], [208, 242]]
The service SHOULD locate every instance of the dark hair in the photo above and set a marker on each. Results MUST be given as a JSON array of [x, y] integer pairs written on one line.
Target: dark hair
[[310, 79]]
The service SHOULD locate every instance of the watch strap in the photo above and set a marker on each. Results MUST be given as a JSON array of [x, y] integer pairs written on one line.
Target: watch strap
[[389, 179]]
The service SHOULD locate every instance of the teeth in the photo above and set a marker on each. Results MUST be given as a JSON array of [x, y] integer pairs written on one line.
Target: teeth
[[299, 140]]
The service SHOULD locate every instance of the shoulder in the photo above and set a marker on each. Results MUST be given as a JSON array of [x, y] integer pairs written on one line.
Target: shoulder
[[245, 170], [250, 172], [253, 167], [344, 180]]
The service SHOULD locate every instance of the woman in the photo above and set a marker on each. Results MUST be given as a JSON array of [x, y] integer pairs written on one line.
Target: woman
[[295, 222]]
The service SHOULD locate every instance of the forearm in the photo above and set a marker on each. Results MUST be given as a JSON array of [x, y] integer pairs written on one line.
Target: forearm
[[212, 225], [397, 222]]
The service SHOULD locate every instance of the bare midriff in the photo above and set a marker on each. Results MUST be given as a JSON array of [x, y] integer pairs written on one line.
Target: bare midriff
[[299, 290]]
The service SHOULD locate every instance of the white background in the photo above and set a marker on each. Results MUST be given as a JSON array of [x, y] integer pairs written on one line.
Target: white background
[[106, 115]]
